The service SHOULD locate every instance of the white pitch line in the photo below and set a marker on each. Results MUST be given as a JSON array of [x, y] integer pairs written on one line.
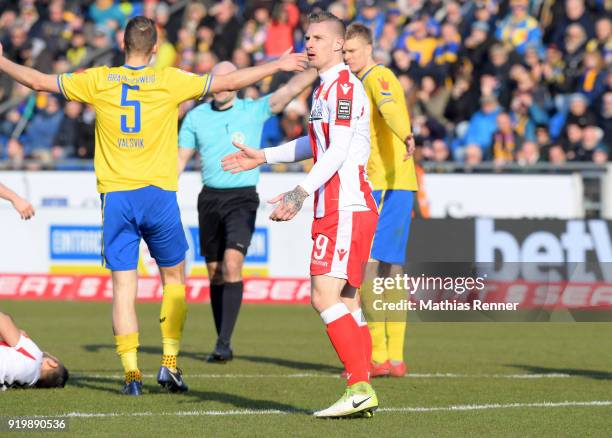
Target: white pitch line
[[176, 414], [502, 406], [407, 409], [336, 376]]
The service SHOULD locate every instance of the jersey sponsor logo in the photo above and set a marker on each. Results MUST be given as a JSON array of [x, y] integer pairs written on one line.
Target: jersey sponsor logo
[[344, 109], [238, 137], [317, 112], [341, 254], [384, 85], [344, 102]]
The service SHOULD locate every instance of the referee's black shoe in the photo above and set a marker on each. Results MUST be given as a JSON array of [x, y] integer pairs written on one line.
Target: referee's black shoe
[[222, 353]]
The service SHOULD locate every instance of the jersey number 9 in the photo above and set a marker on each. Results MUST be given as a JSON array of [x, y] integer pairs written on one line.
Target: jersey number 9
[[130, 103]]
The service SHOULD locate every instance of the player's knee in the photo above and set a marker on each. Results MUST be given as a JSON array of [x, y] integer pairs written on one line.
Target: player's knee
[[317, 300], [232, 269], [173, 274]]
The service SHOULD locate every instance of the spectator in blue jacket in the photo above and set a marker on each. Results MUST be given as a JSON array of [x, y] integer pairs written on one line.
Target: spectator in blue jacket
[[483, 123], [107, 13], [526, 115], [38, 139]]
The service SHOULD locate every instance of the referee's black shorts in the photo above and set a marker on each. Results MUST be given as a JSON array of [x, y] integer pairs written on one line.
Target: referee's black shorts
[[227, 220]]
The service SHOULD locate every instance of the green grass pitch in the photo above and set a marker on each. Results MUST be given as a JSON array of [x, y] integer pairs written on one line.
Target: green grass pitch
[[466, 379]]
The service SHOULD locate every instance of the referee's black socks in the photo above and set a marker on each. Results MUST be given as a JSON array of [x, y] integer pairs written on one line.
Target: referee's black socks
[[216, 302], [232, 299]]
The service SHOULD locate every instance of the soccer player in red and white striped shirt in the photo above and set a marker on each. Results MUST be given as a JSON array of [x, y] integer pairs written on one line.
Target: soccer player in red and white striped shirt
[[23, 364], [345, 211]]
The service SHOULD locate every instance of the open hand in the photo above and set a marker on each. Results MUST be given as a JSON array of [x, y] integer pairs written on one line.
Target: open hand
[[246, 158], [293, 61]]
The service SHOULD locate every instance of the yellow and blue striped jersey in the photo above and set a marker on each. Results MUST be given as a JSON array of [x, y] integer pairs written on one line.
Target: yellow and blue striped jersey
[[136, 121], [389, 127]]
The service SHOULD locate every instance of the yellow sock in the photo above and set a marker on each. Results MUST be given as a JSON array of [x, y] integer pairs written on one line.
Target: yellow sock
[[375, 316], [379, 341], [172, 319], [169, 361], [133, 376], [395, 324], [127, 348], [396, 331]]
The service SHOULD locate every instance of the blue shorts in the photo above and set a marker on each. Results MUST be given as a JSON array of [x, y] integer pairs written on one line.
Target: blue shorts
[[391, 238], [149, 213]]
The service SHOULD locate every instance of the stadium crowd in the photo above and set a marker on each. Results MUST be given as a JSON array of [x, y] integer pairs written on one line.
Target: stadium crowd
[[521, 81]]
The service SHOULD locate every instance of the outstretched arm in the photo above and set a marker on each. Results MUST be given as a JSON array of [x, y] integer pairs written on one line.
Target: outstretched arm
[[9, 332], [298, 83], [241, 78], [290, 152], [248, 158], [28, 76], [23, 207]]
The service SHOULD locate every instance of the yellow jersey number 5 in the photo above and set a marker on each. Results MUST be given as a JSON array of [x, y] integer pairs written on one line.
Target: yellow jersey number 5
[[135, 104]]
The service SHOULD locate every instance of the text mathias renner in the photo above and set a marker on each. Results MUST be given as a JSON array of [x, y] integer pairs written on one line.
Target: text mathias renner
[[442, 305]]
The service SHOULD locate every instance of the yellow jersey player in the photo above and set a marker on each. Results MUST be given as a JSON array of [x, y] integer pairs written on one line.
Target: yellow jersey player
[[136, 168], [392, 174]]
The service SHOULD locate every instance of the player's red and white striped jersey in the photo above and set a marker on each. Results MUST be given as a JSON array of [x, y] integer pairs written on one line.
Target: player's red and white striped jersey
[[19, 365], [339, 130]]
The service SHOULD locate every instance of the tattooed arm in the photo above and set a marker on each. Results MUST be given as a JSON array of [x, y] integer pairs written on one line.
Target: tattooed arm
[[290, 204]]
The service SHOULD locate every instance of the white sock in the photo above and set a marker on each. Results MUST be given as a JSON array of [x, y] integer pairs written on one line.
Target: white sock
[[359, 318], [334, 312]]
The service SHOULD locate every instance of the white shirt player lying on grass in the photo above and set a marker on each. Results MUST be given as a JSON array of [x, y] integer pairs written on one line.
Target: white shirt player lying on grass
[[23, 364]]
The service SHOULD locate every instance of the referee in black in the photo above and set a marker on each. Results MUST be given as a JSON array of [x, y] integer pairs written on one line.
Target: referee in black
[[227, 204]]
